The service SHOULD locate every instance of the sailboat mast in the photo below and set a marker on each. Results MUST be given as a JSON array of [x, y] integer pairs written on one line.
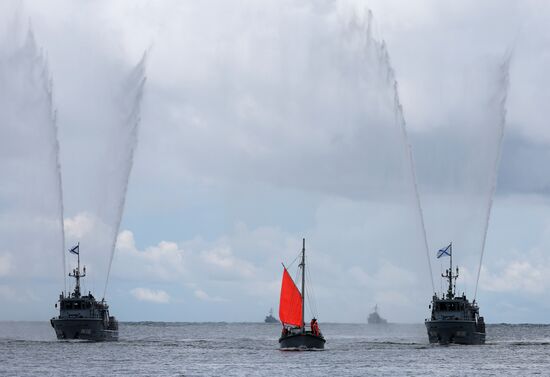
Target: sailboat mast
[[303, 266]]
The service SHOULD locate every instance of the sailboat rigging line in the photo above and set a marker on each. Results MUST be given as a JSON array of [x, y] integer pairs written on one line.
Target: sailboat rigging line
[[310, 294], [294, 261]]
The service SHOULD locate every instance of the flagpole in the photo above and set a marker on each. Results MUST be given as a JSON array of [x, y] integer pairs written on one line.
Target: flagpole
[[78, 255], [451, 252]]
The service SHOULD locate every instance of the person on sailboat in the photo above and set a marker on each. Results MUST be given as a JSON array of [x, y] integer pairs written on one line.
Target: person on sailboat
[[315, 327]]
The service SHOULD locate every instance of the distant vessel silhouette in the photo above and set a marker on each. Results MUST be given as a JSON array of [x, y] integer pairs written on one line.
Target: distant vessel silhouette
[[375, 318], [82, 317], [454, 319], [269, 318], [294, 335]]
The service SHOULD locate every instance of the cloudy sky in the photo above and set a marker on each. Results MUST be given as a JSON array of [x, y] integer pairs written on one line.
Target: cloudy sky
[[265, 122]]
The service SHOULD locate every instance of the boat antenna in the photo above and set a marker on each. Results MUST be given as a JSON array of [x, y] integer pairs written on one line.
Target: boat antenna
[[303, 267]]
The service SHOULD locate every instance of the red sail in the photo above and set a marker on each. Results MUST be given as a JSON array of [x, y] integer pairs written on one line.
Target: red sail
[[290, 306]]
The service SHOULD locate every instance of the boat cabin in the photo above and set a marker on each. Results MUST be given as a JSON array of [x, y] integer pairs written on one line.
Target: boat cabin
[[82, 307], [458, 308]]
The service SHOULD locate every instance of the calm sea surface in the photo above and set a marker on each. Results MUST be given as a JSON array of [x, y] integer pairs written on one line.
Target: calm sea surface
[[245, 349]]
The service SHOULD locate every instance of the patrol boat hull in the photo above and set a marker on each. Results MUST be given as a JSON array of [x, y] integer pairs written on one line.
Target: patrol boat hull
[[306, 341], [454, 331], [85, 329]]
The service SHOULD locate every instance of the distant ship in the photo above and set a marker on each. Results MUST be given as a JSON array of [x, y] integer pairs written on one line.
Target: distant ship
[[82, 317], [294, 335], [375, 319], [269, 318], [454, 319]]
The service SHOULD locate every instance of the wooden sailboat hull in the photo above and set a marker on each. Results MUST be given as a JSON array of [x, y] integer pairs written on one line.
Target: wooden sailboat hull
[[305, 341]]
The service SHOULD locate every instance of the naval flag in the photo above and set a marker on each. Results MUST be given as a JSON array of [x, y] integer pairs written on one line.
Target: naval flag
[[445, 251], [75, 250]]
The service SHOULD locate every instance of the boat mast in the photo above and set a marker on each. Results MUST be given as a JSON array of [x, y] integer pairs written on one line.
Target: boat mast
[[449, 275], [77, 275], [303, 266]]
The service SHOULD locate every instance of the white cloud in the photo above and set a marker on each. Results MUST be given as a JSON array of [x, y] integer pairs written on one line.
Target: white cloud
[[151, 295], [163, 262], [521, 271], [202, 295], [518, 276], [81, 225], [222, 259], [18, 294]]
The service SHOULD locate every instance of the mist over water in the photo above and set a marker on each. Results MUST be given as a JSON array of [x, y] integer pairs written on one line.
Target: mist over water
[[31, 199]]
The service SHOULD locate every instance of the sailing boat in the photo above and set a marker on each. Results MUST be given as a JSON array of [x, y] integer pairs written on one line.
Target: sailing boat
[[291, 314]]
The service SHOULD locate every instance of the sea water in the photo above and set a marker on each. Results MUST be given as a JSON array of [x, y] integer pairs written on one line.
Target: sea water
[[251, 349]]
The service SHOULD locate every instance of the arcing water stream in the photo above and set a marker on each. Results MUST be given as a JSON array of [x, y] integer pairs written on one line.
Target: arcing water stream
[[107, 118], [497, 104], [31, 198], [400, 120], [470, 177], [130, 101], [458, 164]]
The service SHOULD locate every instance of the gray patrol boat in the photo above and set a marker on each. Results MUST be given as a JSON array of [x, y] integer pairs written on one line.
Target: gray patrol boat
[[375, 318], [82, 317], [454, 319], [270, 318]]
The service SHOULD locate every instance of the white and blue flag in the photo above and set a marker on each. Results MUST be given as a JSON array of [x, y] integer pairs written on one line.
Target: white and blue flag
[[75, 250], [445, 251]]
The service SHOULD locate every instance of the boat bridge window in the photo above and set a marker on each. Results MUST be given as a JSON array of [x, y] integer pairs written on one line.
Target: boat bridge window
[[75, 305], [449, 306]]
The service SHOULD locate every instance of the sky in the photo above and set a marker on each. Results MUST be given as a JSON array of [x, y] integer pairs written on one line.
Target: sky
[[258, 124]]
